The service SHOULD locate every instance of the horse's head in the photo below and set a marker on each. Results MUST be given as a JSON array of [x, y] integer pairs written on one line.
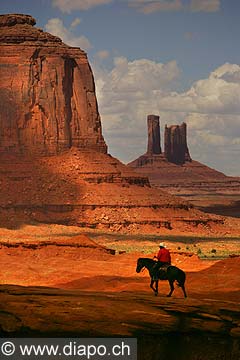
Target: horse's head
[[140, 265]]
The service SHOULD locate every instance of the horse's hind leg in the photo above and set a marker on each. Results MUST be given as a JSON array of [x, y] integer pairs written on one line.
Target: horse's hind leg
[[156, 285], [171, 287]]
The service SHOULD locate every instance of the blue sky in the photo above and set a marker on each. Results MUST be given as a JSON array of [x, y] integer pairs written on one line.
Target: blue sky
[[176, 58]]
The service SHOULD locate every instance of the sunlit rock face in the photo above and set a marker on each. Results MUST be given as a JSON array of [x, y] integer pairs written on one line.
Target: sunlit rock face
[[47, 92]]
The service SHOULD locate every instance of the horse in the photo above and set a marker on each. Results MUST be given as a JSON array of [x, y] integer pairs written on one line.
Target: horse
[[171, 274]]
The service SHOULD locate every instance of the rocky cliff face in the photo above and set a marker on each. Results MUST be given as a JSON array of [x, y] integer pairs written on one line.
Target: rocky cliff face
[[47, 92]]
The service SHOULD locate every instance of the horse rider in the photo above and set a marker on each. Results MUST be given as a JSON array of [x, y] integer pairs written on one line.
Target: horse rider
[[163, 258]]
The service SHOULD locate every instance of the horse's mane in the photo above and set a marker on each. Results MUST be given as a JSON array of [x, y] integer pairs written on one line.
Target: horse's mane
[[147, 260]]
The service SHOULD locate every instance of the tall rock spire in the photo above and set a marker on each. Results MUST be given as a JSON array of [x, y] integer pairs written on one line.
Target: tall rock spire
[[154, 144]]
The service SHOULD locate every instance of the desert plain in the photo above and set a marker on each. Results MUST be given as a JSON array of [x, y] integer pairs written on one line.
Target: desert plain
[[58, 281]]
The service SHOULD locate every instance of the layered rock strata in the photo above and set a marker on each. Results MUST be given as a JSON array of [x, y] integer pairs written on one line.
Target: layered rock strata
[[93, 191], [47, 92]]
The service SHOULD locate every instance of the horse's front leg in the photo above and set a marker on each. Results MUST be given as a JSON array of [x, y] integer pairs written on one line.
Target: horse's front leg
[[156, 286]]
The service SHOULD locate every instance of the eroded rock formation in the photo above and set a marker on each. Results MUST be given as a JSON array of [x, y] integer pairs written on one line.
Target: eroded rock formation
[[48, 107], [47, 92], [178, 174], [175, 144], [154, 146]]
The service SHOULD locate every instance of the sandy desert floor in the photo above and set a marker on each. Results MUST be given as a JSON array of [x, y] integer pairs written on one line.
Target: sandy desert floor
[[58, 282], [58, 256]]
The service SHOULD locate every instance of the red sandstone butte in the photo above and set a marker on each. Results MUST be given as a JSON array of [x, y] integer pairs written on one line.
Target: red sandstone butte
[[47, 92]]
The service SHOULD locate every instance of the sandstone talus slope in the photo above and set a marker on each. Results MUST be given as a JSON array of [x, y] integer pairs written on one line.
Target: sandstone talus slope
[[94, 191]]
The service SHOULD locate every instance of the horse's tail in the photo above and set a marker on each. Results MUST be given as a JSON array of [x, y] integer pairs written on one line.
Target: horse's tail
[[181, 278]]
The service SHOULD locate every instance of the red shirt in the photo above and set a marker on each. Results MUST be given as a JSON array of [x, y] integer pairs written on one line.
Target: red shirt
[[164, 255]]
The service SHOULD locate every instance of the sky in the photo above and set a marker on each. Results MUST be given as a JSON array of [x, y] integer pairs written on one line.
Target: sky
[[178, 59]]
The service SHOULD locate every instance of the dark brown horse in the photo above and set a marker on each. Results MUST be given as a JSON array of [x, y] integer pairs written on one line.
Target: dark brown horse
[[172, 273]]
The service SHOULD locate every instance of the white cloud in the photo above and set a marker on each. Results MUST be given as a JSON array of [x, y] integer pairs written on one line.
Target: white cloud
[[144, 6], [211, 108], [205, 5], [67, 6], [126, 95], [215, 140], [151, 6], [148, 6], [56, 27], [142, 75], [216, 94], [75, 22], [102, 54]]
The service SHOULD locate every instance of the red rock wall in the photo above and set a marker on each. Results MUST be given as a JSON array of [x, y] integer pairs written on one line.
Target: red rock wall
[[47, 92]]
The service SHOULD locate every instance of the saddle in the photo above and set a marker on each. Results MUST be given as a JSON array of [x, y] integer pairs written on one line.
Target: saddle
[[161, 272]]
